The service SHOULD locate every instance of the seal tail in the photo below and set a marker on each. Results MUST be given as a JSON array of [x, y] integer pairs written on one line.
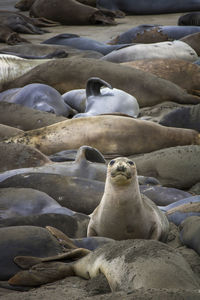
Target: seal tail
[[94, 85]]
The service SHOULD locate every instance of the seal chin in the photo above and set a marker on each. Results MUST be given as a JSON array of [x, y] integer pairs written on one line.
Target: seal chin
[[121, 177]]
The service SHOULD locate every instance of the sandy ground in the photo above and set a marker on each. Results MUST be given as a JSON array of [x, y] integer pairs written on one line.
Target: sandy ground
[[73, 287]]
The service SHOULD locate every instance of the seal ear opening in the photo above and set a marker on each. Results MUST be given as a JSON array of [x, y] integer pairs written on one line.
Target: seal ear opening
[[93, 87], [90, 154]]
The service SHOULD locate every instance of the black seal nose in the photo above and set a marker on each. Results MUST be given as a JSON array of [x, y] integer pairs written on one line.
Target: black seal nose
[[121, 168]]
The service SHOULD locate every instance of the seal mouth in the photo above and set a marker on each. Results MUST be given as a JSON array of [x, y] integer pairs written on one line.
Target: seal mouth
[[120, 173]]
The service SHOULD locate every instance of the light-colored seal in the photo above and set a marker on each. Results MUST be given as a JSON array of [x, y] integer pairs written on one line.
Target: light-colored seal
[[123, 212], [107, 100]]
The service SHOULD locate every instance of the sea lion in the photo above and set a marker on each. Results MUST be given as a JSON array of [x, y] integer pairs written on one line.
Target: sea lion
[[183, 73], [180, 210], [190, 232], [26, 118], [38, 96], [10, 37], [107, 100], [165, 50], [16, 202], [183, 117], [123, 212], [193, 41], [71, 12], [182, 163], [127, 265], [192, 19], [147, 33], [72, 73], [114, 137], [18, 156], [149, 7]]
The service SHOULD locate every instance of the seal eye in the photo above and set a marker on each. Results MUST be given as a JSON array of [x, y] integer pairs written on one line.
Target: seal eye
[[111, 162], [130, 162]]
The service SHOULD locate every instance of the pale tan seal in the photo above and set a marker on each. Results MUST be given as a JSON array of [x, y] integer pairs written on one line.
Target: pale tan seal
[[123, 212]]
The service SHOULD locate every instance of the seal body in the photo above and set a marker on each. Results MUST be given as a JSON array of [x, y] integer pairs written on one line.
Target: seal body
[[150, 7], [190, 19], [123, 212]]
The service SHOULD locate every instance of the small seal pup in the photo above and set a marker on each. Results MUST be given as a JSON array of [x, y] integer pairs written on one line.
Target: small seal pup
[[123, 212]]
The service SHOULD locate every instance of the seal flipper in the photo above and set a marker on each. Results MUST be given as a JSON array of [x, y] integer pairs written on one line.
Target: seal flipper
[[42, 273], [94, 85], [6, 285], [90, 154]]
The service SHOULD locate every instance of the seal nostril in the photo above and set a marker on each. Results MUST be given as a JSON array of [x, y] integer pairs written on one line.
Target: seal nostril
[[121, 168]]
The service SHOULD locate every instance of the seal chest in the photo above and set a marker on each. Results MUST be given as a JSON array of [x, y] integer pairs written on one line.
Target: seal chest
[[123, 212]]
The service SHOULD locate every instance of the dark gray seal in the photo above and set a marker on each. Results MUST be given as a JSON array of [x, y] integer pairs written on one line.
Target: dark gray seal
[[183, 117], [179, 211], [148, 33], [82, 43], [38, 96], [74, 226], [107, 100], [149, 7], [190, 233], [192, 19], [25, 201], [89, 163]]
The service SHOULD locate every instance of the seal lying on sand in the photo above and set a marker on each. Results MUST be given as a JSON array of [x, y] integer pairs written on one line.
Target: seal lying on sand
[[110, 134], [10, 37], [71, 12], [123, 212]]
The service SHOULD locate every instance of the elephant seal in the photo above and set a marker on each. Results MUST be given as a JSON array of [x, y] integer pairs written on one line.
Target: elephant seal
[[23, 24], [149, 7], [164, 50], [183, 117], [8, 131], [10, 37], [71, 12], [75, 193], [193, 41], [127, 265], [181, 72], [110, 134], [38, 96], [16, 202], [72, 73], [190, 232], [192, 19], [24, 5], [74, 226], [182, 162], [76, 99], [89, 163], [14, 156], [147, 33], [114, 137], [26, 118], [82, 43], [180, 210], [123, 212], [107, 100]]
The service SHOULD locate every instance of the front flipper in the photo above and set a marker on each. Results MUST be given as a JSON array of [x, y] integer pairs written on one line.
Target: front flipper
[[93, 87]]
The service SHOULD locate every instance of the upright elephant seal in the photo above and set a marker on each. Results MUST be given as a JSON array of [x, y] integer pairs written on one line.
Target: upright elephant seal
[[123, 212]]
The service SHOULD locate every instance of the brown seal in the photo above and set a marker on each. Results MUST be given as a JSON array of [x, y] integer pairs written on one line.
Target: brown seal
[[10, 37], [70, 12], [72, 73], [181, 72], [123, 212], [110, 134]]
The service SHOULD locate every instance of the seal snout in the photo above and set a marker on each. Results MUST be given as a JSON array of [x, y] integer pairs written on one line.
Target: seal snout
[[121, 168]]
